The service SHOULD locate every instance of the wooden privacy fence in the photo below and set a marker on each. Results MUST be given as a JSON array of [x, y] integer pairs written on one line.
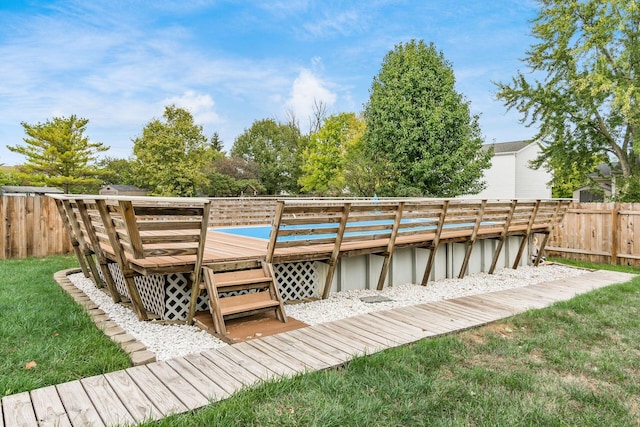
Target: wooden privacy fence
[[598, 232], [31, 227]]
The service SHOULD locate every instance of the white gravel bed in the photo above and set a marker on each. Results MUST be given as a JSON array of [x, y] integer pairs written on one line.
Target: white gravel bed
[[348, 303], [168, 341]]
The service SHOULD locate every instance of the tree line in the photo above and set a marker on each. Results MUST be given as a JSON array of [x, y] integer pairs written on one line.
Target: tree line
[[416, 135]]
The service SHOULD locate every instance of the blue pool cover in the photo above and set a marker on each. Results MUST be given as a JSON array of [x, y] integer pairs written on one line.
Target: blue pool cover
[[263, 231]]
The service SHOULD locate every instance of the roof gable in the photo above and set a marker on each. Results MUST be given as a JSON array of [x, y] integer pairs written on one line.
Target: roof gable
[[508, 147]]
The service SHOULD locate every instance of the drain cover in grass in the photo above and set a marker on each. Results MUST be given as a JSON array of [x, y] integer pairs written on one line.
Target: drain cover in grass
[[374, 299]]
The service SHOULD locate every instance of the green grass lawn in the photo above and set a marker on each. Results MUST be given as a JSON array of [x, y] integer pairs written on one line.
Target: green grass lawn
[[40, 323], [575, 363]]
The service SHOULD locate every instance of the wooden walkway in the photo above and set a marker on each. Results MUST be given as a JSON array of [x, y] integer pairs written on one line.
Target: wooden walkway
[[158, 389]]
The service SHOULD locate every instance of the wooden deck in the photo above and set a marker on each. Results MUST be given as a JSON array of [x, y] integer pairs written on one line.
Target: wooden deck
[[158, 389]]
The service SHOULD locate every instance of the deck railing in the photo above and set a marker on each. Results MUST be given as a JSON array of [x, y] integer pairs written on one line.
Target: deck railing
[[312, 230]]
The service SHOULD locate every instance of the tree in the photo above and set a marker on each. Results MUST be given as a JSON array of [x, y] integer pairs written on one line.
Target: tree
[[170, 156], [8, 176], [216, 142], [59, 154], [421, 128], [117, 171], [323, 160], [231, 176], [275, 148], [586, 105], [363, 174]]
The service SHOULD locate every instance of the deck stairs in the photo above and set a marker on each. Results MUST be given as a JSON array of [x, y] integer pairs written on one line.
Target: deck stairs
[[241, 293]]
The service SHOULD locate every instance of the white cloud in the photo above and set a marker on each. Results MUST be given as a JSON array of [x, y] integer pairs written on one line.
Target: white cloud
[[307, 89], [201, 106]]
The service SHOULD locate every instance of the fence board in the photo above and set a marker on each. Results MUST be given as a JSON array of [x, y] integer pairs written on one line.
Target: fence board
[[31, 227], [598, 232]]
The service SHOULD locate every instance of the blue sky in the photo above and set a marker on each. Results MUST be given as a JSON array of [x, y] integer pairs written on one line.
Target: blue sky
[[118, 63]]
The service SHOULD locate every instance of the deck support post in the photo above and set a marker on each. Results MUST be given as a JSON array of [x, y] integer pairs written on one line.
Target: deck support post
[[472, 240], [333, 261], [127, 272], [74, 238], [100, 255], [503, 236], [525, 237], [547, 234], [435, 243], [196, 275], [390, 247]]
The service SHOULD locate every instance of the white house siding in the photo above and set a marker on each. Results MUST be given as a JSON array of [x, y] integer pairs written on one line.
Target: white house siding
[[500, 178], [531, 183], [510, 176]]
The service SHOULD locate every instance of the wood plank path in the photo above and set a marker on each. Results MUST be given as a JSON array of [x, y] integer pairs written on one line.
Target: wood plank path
[[158, 389]]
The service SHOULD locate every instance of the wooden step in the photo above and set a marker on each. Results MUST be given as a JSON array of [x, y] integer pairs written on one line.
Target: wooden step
[[240, 280], [234, 277], [247, 303]]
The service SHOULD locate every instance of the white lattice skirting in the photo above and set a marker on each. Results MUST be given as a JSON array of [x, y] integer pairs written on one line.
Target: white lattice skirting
[[168, 296]]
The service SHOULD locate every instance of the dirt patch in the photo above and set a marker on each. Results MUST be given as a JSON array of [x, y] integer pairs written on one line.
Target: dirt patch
[[481, 335]]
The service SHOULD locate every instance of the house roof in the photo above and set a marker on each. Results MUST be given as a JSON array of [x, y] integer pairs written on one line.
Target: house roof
[[19, 189], [508, 147]]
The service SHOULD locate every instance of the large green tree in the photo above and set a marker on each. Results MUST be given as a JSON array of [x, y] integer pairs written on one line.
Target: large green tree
[[171, 154], [8, 176], [232, 176], [421, 128], [117, 171], [323, 160], [582, 85], [276, 148], [59, 154]]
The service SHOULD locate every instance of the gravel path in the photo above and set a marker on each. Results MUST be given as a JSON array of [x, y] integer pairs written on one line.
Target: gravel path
[[168, 341]]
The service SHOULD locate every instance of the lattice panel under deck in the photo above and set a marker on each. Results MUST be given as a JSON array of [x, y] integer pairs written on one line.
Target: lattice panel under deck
[[118, 278], [150, 288], [177, 295], [297, 280], [168, 296]]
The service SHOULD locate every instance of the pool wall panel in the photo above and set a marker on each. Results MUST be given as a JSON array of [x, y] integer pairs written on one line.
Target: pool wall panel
[[408, 264]]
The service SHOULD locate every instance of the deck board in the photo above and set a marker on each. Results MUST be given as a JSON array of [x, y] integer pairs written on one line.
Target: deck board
[[211, 370], [318, 358], [48, 407], [255, 368], [111, 409], [388, 330], [372, 341], [314, 339], [194, 376], [157, 392], [326, 337], [18, 410], [420, 320], [80, 409], [132, 396], [189, 395], [269, 362], [296, 364], [182, 384], [238, 372]]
